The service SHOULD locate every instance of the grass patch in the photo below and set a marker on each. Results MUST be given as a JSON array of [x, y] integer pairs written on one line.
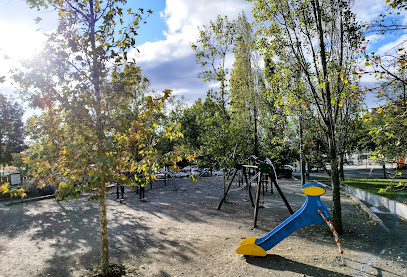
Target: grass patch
[[373, 185]]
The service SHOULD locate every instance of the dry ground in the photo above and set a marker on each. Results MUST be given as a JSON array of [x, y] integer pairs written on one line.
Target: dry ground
[[181, 233]]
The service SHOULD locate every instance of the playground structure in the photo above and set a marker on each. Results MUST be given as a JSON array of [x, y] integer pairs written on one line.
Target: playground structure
[[313, 211], [264, 171]]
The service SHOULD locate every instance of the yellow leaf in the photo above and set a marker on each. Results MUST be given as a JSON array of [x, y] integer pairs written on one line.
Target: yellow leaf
[[341, 103], [345, 81], [332, 101], [322, 85], [62, 13], [4, 188]]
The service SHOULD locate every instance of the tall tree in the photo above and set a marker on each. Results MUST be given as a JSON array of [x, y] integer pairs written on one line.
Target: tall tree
[[245, 84], [87, 86], [319, 39], [211, 51]]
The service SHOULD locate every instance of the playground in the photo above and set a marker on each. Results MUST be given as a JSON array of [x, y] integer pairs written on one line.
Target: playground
[[182, 233]]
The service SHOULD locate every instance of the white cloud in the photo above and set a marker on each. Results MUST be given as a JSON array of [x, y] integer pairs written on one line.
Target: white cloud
[[162, 57], [179, 91], [183, 18], [393, 46], [366, 11]]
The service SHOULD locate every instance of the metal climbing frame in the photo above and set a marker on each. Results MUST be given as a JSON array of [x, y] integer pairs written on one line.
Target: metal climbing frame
[[263, 169]]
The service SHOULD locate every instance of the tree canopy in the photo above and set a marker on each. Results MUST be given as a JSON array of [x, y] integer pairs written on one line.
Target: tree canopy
[[11, 129]]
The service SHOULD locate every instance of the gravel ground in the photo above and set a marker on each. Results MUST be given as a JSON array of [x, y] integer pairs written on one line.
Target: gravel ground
[[181, 233]]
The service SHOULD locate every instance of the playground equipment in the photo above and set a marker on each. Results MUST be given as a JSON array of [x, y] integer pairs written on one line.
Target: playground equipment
[[264, 170], [312, 212]]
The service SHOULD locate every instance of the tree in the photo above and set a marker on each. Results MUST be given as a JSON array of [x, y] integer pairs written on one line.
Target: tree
[[388, 122], [246, 87], [95, 119], [318, 39], [11, 129], [386, 126], [211, 50]]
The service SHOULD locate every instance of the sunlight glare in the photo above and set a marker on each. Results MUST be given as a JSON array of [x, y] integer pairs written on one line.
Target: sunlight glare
[[19, 41]]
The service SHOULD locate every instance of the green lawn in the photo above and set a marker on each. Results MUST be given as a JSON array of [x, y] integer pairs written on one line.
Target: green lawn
[[373, 185]]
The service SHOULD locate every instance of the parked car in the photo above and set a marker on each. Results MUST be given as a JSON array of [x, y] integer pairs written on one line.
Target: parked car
[[189, 168], [160, 175], [290, 166], [182, 174], [4, 173], [204, 173], [195, 172], [284, 172], [217, 172], [178, 174]]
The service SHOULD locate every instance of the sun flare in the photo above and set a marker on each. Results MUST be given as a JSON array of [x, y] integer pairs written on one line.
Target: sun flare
[[18, 42]]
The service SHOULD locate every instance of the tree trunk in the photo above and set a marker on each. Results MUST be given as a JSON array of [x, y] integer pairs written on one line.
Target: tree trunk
[[256, 144], [96, 81], [224, 182], [329, 121], [337, 210], [384, 171], [104, 247], [341, 172], [302, 162]]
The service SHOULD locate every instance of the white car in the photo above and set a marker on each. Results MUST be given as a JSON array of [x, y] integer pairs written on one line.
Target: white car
[[290, 167], [217, 172], [4, 173]]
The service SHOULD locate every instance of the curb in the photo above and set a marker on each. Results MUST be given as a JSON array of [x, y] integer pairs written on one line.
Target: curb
[[371, 214], [30, 200]]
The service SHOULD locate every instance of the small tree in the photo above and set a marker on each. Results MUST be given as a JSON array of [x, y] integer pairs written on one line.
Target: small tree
[[96, 119]]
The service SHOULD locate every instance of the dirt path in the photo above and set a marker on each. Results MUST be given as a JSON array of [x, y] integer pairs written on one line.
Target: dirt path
[[181, 233]]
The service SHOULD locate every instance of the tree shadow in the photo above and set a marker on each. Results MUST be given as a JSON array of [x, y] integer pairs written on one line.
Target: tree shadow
[[66, 234], [279, 263]]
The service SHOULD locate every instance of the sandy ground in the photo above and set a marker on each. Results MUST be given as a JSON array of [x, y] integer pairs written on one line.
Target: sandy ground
[[181, 233]]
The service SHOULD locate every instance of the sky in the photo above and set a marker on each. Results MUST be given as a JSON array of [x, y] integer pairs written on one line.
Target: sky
[[166, 56]]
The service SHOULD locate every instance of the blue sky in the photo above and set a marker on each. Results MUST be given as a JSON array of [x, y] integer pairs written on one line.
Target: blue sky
[[164, 42]]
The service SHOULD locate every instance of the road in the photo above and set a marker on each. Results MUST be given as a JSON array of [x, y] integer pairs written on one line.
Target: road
[[360, 171]]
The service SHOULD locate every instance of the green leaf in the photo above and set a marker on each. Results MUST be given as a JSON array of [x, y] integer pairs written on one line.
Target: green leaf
[[37, 20]]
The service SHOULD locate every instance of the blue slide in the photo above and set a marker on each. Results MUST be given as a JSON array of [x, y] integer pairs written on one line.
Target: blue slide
[[307, 215]]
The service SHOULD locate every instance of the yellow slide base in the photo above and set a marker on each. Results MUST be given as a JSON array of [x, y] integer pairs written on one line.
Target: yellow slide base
[[251, 250], [248, 241]]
